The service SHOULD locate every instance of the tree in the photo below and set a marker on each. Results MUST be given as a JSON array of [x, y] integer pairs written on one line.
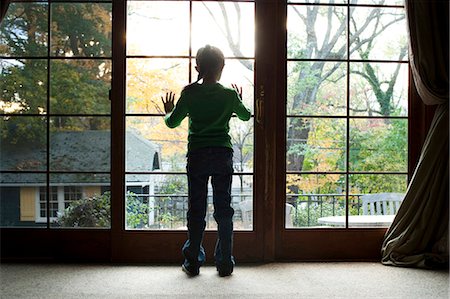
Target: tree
[[77, 86]]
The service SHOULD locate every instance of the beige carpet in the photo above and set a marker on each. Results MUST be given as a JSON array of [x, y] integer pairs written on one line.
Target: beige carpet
[[277, 280]]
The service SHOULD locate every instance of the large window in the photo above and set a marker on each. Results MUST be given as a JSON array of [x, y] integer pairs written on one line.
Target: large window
[[346, 125], [55, 114], [162, 40]]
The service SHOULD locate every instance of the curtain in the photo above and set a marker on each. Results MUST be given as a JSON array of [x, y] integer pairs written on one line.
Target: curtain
[[418, 236], [3, 8]]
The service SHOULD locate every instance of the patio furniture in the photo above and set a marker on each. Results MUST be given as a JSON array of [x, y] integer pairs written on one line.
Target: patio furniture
[[381, 203]]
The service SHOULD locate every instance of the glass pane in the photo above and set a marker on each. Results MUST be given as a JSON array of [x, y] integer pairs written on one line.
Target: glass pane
[[228, 26], [156, 201], [242, 140], [23, 86], [379, 89], [312, 198], [376, 199], [84, 200], [23, 143], [378, 33], [315, 144], [81, 29], [151, 145], [149, 79], [241, 73], [158, 28], [80, 144], [381, 2], [24, 31], [19, 199], [316, 88], [317, 32], [80, 86], [378, 145]]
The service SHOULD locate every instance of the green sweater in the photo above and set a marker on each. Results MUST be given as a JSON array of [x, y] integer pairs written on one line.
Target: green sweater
[[209, 108]]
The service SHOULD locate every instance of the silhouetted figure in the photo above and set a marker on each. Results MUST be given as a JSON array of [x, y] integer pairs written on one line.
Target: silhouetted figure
[[209, 106]]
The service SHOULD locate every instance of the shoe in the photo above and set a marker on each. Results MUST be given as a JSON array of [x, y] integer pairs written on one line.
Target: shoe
[[189, 271], [225, 272]]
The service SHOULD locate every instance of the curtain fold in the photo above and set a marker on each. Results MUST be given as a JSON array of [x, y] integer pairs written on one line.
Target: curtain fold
[[4, 4], [418, 236]]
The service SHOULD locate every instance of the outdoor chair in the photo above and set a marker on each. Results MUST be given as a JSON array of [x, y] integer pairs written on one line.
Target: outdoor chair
[[246, 208], [381, 203]]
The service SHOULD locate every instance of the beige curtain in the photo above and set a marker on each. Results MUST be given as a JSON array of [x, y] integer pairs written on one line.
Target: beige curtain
[[418, 237]]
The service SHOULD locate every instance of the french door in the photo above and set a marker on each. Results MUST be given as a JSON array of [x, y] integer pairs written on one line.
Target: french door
[[305, 155]]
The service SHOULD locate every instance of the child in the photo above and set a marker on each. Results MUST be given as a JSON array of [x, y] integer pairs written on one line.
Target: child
[[209, 106]]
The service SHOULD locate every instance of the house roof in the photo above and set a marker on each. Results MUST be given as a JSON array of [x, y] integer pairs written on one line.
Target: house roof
[[76, 151]]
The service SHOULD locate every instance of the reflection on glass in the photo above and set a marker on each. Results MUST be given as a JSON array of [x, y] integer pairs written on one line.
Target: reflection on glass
[[378, 33], [228, 26], [20, 198], [23, 86], [152, 146], [378, 145], [149, 79], [379, 89], [156, 201], [80, 86], [315, 144], [316, 88], [82, 200], [23, 143], [311, 198], [317, 32], [80, 144], [241, 73], [158, 28], [81, 29], [23, 32]]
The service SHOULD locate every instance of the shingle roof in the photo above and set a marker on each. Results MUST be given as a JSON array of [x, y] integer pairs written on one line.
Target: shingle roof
[[76, 151]]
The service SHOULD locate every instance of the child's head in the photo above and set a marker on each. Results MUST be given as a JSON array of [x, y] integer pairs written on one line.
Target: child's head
[[210, 62]]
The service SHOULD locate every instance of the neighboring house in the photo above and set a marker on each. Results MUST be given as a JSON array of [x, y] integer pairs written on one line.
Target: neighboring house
[[23, 195]]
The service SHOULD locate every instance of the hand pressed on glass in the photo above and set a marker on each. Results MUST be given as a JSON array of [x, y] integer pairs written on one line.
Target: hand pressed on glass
[[238, 90], [168, 103]]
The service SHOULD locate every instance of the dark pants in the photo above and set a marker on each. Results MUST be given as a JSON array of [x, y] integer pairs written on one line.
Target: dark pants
[[217, 163]]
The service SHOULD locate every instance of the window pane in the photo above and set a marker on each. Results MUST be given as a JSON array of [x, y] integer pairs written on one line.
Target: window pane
[[378, 145], [80, 144], [316, 144], [242, 141], [149, 79], [228, 26], [149, 136], [23, 86], [157, 201], [379, 89], [158, 28], [316, 88], [23, 143], [378, 33], [81, 29], [80, 86], [83, 200], [376, 199], [241, 73], [312, 198], [19, 199], [23, 32], [318, 1], [317, 32]]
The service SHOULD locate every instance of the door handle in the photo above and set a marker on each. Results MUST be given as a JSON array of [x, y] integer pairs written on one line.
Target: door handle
[[260, 105]]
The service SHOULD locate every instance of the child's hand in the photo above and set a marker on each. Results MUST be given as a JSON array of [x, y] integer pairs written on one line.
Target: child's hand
[[168, 103], [238, 90]]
